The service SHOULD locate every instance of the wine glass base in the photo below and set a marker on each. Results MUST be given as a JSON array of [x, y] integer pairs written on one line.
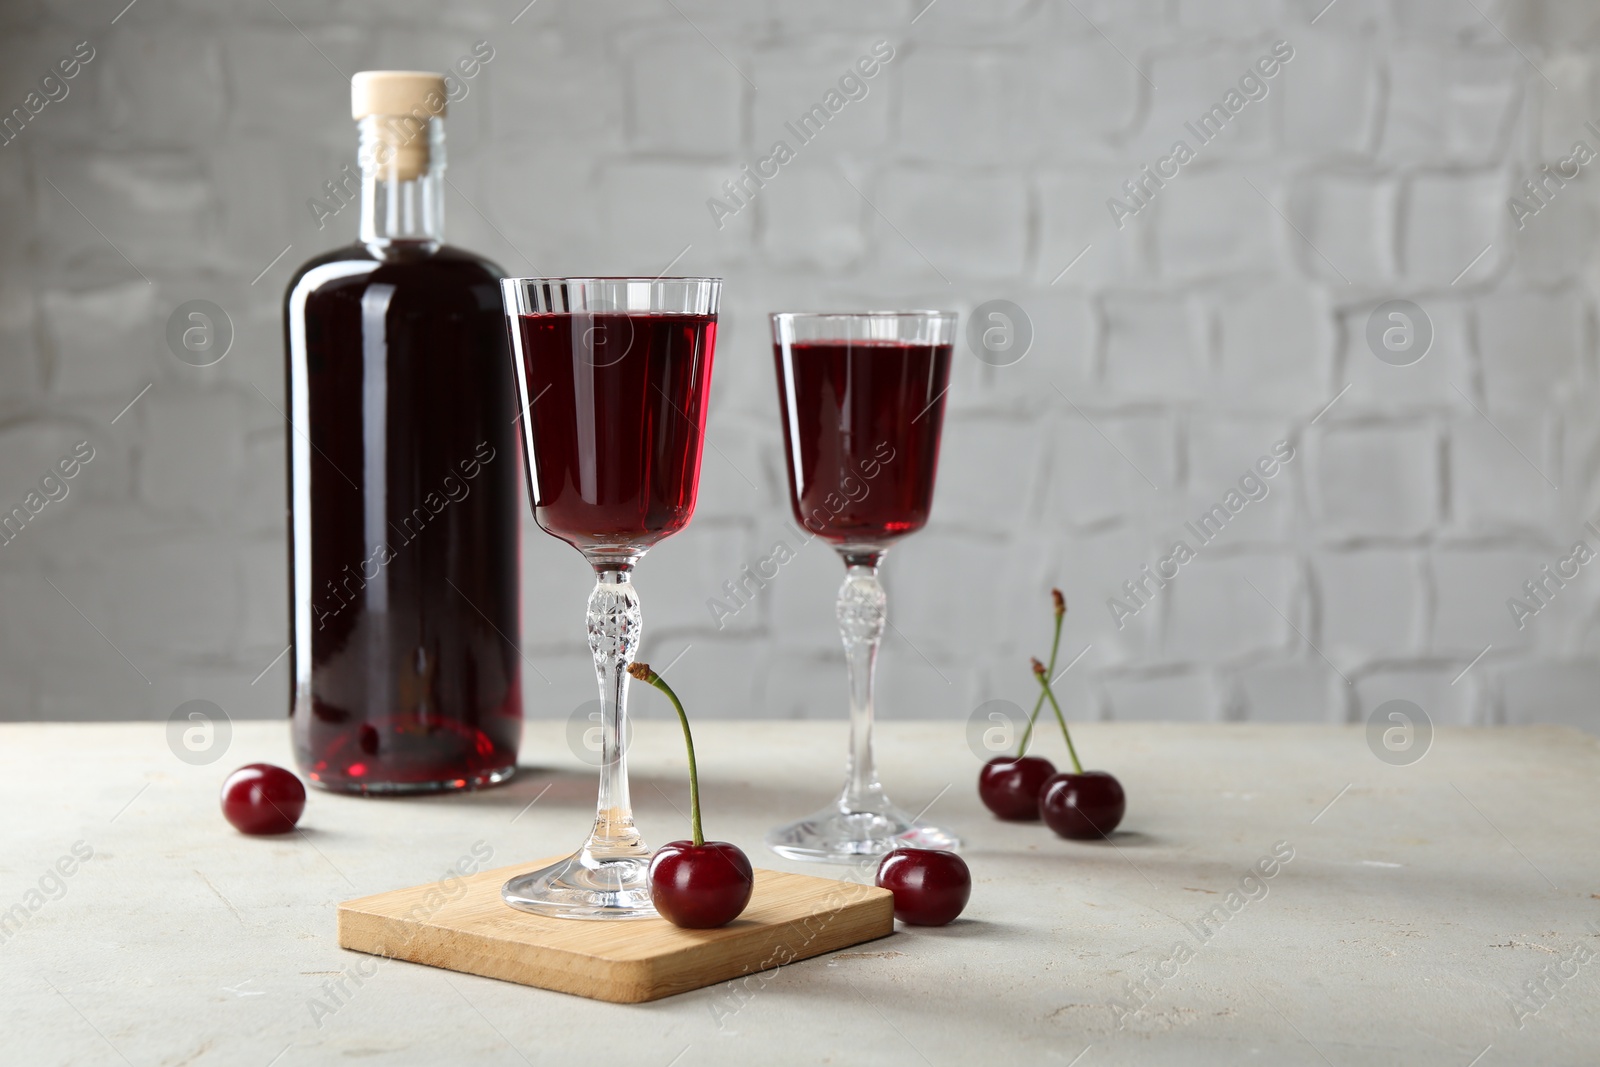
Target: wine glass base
[[585, 886], [834, 835]]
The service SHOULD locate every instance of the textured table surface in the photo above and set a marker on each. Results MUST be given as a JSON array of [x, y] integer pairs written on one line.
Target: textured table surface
[[1421, 905]]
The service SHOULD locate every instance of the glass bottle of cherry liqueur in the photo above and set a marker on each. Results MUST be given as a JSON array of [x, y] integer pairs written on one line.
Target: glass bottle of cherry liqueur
[[403, 481]]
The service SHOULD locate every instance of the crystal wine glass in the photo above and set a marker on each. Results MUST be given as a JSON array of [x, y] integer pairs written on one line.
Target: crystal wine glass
[[863, 405], [612, 376]]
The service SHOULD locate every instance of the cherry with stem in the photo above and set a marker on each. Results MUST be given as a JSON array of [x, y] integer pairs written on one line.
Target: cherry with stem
[[1078, 804], [1009, 785], [697, 884]]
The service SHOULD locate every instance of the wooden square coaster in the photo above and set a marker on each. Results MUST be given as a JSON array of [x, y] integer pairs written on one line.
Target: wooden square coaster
[[465, 926]]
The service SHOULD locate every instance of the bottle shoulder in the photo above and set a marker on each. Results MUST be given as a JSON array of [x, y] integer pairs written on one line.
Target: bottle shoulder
[[471, 260], [360, 267]]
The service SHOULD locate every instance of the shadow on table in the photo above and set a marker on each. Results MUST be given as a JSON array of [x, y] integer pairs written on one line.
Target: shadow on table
[[1124, 839], [575, 788], [964, 927], [556, 787]]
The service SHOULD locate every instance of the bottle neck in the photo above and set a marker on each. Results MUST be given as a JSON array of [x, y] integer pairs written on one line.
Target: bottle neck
[[402, 180]]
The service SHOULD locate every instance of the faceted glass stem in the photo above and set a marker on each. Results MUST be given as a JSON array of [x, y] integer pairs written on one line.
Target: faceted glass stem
[[862, 821], [608, 878], [614, 625], [861, 611]]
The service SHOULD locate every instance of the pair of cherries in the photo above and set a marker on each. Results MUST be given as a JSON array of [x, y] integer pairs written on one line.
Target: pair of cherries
[[1077, 804], [709, 884], [1082, 805]]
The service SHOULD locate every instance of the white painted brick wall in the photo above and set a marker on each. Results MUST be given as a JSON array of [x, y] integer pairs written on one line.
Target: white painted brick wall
[[1375, 480], [1226, 315]]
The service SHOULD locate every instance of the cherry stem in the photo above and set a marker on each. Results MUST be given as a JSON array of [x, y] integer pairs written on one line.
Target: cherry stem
[[1044, 682], [643, 672], [1055, 647]]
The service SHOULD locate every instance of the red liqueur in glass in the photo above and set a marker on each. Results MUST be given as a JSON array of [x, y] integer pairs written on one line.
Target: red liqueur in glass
[[617, 408], [862, 419]]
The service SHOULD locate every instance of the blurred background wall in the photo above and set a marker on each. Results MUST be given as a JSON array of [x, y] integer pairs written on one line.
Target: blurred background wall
[[1174, 340]]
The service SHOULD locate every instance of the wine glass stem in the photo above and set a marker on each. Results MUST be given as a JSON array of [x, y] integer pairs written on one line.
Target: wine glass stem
[[614, 625], [861, 612]]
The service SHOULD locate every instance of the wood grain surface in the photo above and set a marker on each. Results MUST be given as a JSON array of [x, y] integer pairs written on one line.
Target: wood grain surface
[[465, 926]]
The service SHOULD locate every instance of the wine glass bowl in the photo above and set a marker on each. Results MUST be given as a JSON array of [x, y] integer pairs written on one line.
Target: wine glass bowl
[[618, 421], [862, 397], [612, 377]]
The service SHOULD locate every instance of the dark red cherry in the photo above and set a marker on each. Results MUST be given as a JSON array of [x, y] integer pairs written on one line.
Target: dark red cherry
[[930, 886], [700, 886], [260, 798], [1082, 806], [1009, 786]]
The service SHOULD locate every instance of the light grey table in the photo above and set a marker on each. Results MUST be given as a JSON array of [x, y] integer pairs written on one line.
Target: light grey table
[[1421, 905]]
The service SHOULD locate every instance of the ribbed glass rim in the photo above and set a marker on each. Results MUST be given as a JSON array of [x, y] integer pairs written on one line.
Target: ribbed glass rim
[[618, 294], [617, 278], [913, 327], [915, 314]]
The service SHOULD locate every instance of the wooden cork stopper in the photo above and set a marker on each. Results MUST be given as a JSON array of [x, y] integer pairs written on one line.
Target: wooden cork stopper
[[402, 102]]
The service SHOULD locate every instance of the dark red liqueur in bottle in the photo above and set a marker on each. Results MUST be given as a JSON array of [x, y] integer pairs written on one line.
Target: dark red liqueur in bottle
[[618, 407], [865, 417], [403, 499]]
